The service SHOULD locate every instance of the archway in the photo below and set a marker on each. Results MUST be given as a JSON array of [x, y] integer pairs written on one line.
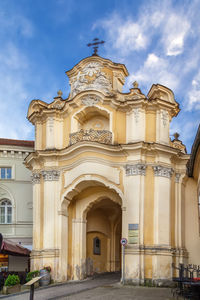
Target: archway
[[87, 201], [103, 233]]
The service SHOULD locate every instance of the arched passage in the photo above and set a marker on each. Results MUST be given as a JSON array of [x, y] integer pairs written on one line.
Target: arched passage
[[94, 211], [103, 233]]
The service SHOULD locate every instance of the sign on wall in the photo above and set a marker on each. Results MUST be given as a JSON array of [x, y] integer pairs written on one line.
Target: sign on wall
[[133, 233]]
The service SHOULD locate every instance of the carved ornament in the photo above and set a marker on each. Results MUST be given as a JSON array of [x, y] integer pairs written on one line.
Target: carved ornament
[[91, 77], [164, 117], [138, 169], [51, 175], [35, 178], [163, 171], [136, 114], [177, 177], [58, 104], [90, 100]]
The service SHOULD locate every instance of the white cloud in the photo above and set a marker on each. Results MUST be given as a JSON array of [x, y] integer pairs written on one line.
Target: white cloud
[[130, 37], [125, 36], [175, 31], [194, 94], [155, 70]]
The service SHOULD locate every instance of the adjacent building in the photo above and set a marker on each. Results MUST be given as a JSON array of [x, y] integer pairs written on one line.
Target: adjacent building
[[15, 198], [192, 202], [104, 168]]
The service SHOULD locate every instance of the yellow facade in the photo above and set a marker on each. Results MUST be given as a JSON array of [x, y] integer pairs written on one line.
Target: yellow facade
[[104, 168]]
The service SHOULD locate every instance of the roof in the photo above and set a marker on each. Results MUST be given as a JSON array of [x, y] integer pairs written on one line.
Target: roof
[[195, 147], [11, 248], [21, 143]]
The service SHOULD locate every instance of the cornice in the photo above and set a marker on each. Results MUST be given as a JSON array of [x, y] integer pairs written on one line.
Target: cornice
[[103, 61], [112, 149]]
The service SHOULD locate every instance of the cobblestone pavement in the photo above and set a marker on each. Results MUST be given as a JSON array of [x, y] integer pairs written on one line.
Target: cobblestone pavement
[[105, 287], [119, 292]]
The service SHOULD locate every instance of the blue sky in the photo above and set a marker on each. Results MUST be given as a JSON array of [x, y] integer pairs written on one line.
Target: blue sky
[[158, 41]]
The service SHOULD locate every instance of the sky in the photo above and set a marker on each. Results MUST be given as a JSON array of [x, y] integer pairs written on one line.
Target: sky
[[158, 41]]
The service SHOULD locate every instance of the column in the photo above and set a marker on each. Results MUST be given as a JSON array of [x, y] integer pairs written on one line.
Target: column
[[162, 227], [63, 240], [133, 219], [36, 263], [50, 220]]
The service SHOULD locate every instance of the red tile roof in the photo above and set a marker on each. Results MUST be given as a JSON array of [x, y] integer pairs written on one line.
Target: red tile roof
[[11, 248], [21, 143]]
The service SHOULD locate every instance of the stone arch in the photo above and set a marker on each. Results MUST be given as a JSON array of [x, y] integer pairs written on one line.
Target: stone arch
[[84, 195], [73, 189], [89, 206]]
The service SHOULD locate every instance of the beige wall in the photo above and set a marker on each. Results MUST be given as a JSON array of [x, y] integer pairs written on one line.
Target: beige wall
[[19, 191], [192, 222]]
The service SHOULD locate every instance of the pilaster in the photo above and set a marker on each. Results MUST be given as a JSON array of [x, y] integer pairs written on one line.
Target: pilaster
[[162, 225], [79, 248], [36, 211], [51, 194]]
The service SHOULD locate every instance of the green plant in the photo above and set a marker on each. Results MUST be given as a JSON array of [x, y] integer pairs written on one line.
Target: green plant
[[12, 280], [48, 269], [31, 275]]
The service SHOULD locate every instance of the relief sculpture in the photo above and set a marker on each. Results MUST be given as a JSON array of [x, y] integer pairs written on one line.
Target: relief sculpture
[[90, 78]]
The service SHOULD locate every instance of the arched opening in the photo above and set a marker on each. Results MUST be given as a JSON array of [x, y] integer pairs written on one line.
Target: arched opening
[[94, 221], [103, 232], [91, 124]]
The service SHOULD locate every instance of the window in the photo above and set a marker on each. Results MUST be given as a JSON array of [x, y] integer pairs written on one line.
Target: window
[[5, 211], [96, 246], [5, 173]]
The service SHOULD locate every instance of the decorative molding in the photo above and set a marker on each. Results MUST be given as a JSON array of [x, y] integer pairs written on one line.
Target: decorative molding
[[3, 194], [136, 114], [35, 178], [138, 169], [51, 175], [164, 117], [50, 124], [163, 171], [90, 100], [63, 212], [58, 105], [101, 136], [177, 144], [79, 221], [177, 177]]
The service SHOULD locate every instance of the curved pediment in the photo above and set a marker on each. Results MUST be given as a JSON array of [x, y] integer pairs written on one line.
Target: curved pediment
[[96, 73]]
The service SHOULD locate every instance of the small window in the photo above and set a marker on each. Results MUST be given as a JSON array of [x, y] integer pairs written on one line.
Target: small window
[[96, 246], [5, 211], [5, 173]]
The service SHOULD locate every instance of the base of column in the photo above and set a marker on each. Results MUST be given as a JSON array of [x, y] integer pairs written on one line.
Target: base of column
[[47, 257]]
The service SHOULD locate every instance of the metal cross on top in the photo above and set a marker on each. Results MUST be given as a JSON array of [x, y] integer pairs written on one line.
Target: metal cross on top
[[95, 45]]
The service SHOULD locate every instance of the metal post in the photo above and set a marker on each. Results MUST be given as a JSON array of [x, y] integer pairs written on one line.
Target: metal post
[[123, 263], [32, 292]]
